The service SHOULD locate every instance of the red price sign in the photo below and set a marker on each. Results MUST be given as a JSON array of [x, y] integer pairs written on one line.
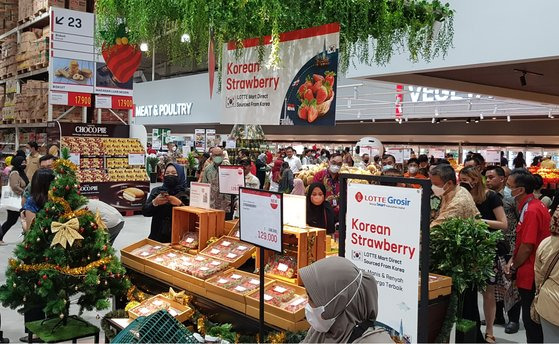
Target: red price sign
[[79, 99], [122, 103]]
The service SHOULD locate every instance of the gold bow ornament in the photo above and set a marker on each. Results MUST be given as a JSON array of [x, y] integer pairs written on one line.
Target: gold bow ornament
[[65, 232], [99, 221]]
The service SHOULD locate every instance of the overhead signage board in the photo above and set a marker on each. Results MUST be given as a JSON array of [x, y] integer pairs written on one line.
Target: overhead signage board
[[72, 61], [301, 92], [383, 227]]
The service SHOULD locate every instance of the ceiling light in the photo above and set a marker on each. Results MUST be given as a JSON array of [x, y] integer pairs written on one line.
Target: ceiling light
[[468, 121], [494, 118], [476, 120], [445, 119], [144, 47], [360, 121], [480, 116], [508, 118], [373, 120], [185, 38]]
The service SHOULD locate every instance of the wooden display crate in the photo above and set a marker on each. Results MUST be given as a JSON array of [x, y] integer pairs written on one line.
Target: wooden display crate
[[207, 222], [138, 262], [310, 246], [232, 228], [439, 285], [234, 300], [270, 318], [235, 262], [183, 312]]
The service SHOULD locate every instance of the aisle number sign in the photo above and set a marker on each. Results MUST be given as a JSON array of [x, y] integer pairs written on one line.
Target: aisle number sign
[[231, 178], [382, 238], [261, 218]]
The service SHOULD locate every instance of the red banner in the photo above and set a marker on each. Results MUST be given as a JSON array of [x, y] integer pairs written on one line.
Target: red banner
[[399, 101], [79, 99], [122, 103]]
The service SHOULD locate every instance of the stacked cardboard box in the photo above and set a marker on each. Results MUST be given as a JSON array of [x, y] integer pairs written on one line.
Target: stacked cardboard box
[[74, 116], [25, 10], [31, 103], [8, 65], [10, 99], [78, 5], [43, 5], [32, 51], [8, 15]]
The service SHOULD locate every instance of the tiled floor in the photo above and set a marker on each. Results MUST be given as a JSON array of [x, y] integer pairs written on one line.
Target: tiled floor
[[136, 228]]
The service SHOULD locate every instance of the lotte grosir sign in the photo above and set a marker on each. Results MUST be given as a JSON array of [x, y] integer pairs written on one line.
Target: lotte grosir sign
[[301, 91], [382, 237]]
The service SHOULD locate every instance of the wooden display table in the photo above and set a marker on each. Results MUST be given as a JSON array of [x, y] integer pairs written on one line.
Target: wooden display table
[[48, 331]]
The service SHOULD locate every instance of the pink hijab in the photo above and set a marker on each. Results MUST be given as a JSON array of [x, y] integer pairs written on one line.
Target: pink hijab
[[298, 187]]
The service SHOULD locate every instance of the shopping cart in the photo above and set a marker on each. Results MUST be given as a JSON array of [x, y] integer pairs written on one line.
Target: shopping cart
[[159, 327]]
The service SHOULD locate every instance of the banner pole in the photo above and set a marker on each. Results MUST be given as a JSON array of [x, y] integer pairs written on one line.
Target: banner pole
[[261, 294]]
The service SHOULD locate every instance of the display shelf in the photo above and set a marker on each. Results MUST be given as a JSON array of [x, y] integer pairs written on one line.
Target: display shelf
[[41, 19], [23, 125]]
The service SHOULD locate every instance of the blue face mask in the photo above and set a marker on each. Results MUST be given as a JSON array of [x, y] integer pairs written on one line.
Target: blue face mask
[[387, 167], [507, 192]]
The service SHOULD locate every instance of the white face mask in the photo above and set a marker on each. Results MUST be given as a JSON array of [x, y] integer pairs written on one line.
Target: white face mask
[[387, 167], [413, 170], [437, 190], [334, 168], [314, 315]]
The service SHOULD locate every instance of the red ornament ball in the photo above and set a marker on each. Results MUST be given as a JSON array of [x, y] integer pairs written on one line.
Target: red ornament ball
[[105, 247], [45, 277], [67, 188], [54, 188], [82, 230], [104, 267], [39, 282], [46, 259], [117, 275]]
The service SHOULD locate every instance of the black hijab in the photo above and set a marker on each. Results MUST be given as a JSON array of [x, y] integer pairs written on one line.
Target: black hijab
[[21, 152], [17, 166], [320, 216]]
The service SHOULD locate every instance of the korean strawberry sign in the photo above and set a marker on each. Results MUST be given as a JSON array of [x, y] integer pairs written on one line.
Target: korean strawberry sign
[[302, 91]]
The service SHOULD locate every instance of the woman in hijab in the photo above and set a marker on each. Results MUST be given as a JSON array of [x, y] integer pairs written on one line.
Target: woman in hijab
[[17, 181], [286, 181], [298, 187], [162, 199], [319, 212], [275, 175], [341, 297]]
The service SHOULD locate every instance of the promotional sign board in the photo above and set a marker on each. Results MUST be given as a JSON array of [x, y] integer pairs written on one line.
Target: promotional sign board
[[438, 153], [398, 153], [200, 195], [200, 140], [261, 218], [211, 140], [492, 155], [72, 66], [231, 178], [383, 228], [301, 92], [70, 98], [114, 102], [107, 83], [295, 210]]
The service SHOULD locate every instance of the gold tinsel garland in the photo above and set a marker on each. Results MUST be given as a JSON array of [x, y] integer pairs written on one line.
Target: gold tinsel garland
[[81, 271]]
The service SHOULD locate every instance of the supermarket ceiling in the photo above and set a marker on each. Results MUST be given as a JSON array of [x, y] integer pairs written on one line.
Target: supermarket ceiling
[[367, 100]]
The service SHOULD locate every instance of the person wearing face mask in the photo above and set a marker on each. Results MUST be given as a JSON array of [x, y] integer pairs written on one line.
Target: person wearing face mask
[[210, 176], [329, 177], [162, 199], [495, 180], [413, 172], [388, 162], [455, 200], [492, 213], [533, 226], [343, 303], [319, 212], [285, 184], [365, 160]]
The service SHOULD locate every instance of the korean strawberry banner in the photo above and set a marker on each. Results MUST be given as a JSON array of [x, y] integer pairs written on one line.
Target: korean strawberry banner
[[302, 91]]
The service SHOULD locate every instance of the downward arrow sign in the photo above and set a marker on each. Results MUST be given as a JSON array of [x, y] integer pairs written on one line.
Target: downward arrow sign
[[58, 20]]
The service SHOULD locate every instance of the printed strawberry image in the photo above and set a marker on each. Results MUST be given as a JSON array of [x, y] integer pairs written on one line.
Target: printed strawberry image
[[316, 96], [302, 112], [312, 112], [122, 58], [308, 95], [321, 94]]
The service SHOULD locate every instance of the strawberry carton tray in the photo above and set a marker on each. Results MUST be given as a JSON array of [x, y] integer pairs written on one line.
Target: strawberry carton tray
[[231, 250], [235, 284], [159, 302], [134, 256], [281, 299], [192, 275]]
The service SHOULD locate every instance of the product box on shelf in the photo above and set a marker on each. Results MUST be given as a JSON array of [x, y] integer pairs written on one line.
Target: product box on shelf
[[164, 265], [231, 287], [193, 227], [284, 305], [159, 302], [439, 285], [231, 250], [78, 5], [301, 246], [134, 256]]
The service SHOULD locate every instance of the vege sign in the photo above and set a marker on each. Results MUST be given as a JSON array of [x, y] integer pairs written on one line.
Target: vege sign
[[425, 94], [175, 109]]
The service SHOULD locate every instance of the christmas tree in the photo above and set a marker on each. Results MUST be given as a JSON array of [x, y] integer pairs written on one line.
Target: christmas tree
[[65, 253]]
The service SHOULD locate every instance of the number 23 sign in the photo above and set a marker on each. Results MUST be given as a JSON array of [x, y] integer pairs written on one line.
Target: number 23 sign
[[261, 218]]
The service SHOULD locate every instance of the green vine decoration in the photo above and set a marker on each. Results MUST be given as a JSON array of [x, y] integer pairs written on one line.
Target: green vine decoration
[[423, 28]]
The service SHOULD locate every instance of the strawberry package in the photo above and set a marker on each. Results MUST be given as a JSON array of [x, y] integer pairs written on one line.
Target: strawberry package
[[280, 265], [277, 294], [190, 240], [153, 305], [168, 258], [236, 282], [228, 249], [148, 250], [204, 267]]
